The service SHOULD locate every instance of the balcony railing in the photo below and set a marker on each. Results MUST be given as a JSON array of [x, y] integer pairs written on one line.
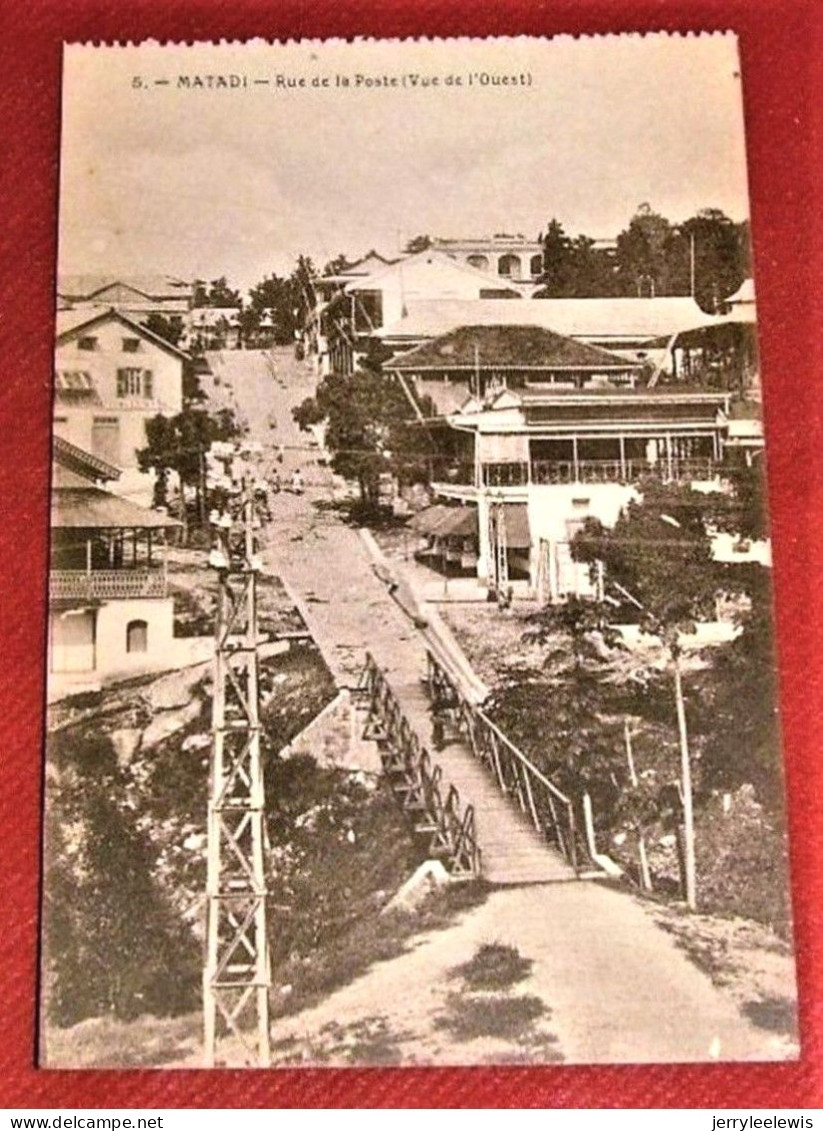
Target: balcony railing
[[625, 471], [542, 472], [106, 584]]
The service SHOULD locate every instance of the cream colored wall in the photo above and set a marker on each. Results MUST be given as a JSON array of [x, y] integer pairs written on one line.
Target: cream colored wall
[[113, 617], [103, 363]]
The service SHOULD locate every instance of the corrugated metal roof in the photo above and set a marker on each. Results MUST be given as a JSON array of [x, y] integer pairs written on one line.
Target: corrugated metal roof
[[152, 286], [588, 318], [76, 459], [90, 508], [441, 520]]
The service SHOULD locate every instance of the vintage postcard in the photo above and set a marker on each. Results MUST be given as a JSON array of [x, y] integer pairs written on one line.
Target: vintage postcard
[[411, 685]]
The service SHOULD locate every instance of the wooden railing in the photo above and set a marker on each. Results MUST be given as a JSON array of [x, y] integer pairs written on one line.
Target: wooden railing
[[106, 584], [417, 782], [547, 807]]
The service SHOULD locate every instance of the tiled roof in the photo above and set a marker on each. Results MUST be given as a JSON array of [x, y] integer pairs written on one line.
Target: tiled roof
[[636, 318], [482, 348]]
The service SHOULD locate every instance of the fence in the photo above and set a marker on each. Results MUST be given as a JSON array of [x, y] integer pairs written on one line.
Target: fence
[[547, 807], [417, 783]]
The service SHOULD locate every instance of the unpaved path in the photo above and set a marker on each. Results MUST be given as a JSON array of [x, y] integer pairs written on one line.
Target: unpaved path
[[614, 985]]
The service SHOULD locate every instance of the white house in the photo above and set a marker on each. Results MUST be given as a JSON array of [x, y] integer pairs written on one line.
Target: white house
[[356, 307], [110, 613], [111, 376], [543, 459], [507, 256]]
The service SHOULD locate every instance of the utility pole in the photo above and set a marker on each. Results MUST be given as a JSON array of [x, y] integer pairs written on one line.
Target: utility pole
[[237, 973], [689, 864]]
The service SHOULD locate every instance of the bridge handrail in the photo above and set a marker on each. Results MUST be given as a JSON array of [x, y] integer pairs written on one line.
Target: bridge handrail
[[517, 764], [423, 773], [523, 758]]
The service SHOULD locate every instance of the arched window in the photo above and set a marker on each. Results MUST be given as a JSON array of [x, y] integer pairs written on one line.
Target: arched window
[[137, 636], [536, 265], [509, 265], [481, 262]]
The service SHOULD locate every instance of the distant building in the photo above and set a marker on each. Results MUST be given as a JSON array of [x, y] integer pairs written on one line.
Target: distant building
[[212, 328], [637, 329], [110, 612], [480, 360], [111, 375], [506, 256], [138, 295], [352, 309]]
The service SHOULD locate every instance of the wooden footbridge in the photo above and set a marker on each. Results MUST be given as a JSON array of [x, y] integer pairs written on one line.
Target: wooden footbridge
[[476, 802]]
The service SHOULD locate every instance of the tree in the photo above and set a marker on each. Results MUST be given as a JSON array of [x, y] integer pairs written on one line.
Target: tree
[[557, 261], [720, 262], [417, 244], [113, 944], [178, 444], [368, 418], [644, 254], [659, 557], [168, 327], [216, 293]]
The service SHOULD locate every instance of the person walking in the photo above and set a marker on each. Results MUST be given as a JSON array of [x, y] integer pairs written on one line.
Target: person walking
[[297, 482]]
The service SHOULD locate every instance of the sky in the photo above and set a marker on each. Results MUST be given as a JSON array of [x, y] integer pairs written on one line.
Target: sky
[[160, 173]]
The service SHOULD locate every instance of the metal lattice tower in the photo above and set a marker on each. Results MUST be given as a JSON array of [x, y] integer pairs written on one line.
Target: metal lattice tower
[[237, 973]]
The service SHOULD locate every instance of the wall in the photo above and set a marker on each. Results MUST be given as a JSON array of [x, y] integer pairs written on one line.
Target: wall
[[111, 656]]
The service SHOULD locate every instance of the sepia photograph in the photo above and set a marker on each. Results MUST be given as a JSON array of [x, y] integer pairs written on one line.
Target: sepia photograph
[[411, 672]]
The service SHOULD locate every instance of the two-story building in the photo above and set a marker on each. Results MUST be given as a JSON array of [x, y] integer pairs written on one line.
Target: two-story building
[[360, 306], [549, 432], [546, 459], [111, 376], [110, 612], [506, 256]]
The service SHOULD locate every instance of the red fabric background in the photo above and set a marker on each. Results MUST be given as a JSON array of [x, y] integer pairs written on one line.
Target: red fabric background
[[782, 49]]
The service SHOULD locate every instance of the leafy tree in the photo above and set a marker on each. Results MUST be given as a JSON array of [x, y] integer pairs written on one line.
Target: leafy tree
[[417, 244], [113, 944], [216, 293], [368, 418], [659, 556], [643, 254], [557, 261], [168, 327], [721, 257], [178, 444], [337, 265]]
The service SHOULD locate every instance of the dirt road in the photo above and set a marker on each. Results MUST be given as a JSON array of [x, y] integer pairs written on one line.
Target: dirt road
[[606, 983]]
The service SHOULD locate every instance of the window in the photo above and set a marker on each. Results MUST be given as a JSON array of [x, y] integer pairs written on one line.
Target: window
[[105, 438], [133, 382], [137, 636], [131, 345], [87, 343]]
